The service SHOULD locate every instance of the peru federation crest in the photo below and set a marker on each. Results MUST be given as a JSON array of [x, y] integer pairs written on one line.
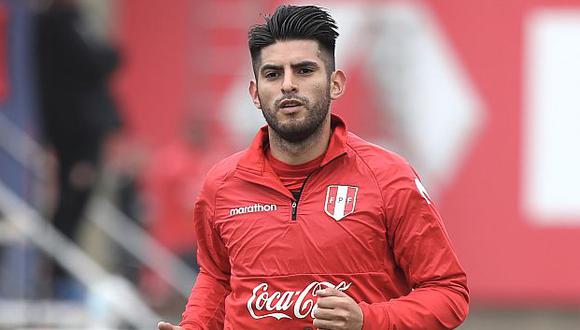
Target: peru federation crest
[[340, 201]]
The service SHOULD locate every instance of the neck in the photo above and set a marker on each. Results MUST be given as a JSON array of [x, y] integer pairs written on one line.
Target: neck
[[296, 153]]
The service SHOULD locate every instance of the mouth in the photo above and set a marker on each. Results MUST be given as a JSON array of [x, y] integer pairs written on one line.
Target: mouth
[[288, 106]]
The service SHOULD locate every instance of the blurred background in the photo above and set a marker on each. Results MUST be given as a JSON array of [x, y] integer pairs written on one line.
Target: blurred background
[[111, 112]]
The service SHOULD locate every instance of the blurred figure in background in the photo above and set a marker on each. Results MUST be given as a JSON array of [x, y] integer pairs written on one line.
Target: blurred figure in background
[[77, 111], [171, 182]]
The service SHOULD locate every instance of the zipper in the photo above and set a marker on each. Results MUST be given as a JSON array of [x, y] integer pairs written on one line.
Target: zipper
[[295, 203], [294, 209]]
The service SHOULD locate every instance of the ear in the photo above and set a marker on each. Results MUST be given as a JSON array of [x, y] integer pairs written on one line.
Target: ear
[[337, 84], [253, 90]]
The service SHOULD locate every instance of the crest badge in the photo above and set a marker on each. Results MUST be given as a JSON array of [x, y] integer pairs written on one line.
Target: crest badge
[[340, 201]]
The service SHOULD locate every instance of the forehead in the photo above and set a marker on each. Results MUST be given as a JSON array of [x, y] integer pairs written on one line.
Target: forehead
[[291, 51]]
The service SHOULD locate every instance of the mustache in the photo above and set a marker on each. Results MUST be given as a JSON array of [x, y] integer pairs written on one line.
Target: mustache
[[302, 99]]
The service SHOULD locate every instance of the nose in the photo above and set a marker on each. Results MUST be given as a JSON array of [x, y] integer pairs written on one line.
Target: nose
[[288, 84]]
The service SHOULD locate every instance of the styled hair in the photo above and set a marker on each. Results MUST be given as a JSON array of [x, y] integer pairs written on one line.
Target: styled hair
[[295, 23]]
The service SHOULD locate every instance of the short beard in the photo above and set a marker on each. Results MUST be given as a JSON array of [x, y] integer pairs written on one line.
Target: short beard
[[296, 133]]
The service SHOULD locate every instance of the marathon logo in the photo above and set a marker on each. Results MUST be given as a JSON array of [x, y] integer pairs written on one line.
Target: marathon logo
[[253, 208]]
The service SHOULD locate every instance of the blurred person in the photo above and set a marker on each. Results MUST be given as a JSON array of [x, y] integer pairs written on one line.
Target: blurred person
[[311, 226], [77, 110], [171, 182], [174, 175]]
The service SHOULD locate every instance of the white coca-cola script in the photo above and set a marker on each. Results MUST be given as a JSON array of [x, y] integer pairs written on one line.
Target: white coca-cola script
[[288, 304]]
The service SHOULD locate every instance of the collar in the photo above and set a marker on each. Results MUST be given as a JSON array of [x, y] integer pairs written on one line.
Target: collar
[[254, 159]]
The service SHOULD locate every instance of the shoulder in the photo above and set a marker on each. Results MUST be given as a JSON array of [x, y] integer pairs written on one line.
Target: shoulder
[[386, 165], [393, 173], [220, 173]]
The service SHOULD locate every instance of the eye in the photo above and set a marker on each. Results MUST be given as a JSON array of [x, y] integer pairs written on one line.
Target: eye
[[271, 75], [305, 70]]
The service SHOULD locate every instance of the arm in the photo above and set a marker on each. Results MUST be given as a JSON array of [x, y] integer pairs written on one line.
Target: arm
[[205, 306], [439, 297]]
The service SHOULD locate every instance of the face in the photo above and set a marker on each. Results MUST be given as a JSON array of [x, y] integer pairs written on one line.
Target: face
[[293, 88]]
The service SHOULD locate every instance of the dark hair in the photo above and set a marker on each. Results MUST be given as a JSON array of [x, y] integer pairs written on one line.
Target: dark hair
[[295, 23]]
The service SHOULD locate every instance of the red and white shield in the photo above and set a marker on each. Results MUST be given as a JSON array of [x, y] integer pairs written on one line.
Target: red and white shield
[[340, 201]]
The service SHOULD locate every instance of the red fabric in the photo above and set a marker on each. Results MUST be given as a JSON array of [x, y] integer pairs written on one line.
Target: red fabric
[[260, 268], [292, 176], [171, 182]]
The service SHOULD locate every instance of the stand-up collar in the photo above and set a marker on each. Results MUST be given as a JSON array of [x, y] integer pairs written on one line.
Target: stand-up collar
[[254, 159]]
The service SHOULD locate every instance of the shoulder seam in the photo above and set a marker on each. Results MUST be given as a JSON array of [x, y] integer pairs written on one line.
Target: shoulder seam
[[373, 174], [221, 184]]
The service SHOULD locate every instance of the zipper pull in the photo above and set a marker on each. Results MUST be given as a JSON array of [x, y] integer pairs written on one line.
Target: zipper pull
[[294, 209]]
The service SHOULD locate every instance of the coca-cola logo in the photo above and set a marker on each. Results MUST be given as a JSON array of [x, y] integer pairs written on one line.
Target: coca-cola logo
[[288, 304]]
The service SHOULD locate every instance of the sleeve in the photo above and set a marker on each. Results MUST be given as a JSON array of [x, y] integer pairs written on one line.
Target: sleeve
[[205, 306], [439, 296]]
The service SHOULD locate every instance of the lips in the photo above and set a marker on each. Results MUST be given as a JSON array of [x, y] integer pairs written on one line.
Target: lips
[[290, 104]]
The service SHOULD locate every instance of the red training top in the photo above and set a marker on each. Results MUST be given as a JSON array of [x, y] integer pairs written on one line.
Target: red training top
[[363, 224]]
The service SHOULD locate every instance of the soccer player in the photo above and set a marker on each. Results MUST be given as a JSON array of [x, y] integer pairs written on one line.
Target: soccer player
[[311, 226]]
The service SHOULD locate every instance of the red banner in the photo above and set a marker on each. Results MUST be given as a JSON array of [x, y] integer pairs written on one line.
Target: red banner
[[478, 95]]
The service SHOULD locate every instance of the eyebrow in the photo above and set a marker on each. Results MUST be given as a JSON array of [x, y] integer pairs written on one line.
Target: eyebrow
[[301, 64]]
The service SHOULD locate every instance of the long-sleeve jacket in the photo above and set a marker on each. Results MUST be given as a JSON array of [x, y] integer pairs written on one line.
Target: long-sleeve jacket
[[363, 224]]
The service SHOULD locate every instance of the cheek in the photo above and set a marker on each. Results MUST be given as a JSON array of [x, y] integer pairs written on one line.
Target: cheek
[[319, 90], [266, 95]]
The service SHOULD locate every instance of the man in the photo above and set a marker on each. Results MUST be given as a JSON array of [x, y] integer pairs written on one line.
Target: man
[[312, 227]]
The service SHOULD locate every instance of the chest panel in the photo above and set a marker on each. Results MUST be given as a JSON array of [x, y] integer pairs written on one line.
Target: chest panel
[[339, 226]]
